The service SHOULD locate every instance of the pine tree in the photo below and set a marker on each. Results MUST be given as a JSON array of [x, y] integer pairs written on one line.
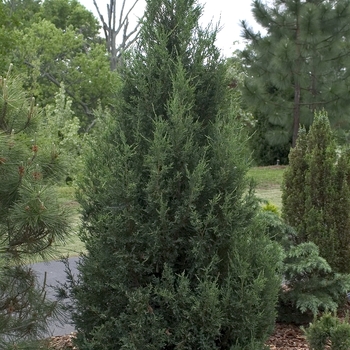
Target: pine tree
[[31, 219], [176, 257], [315, 193], [299, 66]]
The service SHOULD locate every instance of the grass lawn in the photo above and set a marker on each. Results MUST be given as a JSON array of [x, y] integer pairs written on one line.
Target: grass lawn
[[268, 183]]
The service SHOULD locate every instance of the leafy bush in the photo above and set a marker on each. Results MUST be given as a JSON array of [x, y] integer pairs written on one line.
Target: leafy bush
[[263, 151], [270, 207]]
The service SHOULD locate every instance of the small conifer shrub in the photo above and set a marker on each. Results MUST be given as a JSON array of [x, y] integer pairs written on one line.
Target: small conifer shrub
[[328, 332], [309, 286]]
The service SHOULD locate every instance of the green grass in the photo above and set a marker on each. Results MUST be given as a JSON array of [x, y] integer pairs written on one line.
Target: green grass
[[73, 245], [268, 182]]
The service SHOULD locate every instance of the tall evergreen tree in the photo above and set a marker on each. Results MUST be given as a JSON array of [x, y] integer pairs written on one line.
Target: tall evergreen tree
[[299, 66], [315, 193], [176, 258], [31, 218]]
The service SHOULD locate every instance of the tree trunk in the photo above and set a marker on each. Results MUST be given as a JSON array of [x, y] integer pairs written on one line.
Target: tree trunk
[[117, 29], [296, 113], [296, 107]]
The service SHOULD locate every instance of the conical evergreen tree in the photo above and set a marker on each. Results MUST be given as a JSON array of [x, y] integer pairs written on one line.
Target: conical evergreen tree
[[315, 193], [30, 217], [176, 258], [293, 194]]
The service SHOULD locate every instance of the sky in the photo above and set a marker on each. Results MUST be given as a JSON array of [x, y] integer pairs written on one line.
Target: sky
[[228, 12]]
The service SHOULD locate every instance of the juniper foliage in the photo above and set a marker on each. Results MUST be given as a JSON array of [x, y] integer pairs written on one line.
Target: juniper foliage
[[176, 256]]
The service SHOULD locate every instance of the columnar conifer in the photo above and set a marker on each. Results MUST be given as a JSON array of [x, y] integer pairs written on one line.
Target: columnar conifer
[[315, 193], [176, 258]]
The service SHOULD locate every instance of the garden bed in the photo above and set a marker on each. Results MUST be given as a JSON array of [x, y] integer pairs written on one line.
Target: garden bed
[[285, 337]]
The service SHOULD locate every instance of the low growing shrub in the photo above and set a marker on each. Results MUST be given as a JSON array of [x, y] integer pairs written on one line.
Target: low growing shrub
[[328, 331], [310, 285]]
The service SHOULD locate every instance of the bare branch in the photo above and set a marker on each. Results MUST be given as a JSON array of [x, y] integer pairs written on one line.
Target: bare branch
[[112, 30], [105, 27], [121, 13]]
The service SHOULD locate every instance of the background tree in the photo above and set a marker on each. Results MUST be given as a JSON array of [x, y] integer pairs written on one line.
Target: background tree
[[315, 193], [70, 13], [21, 12], [299, 66], [31, 219], [117, 33], [8, 37], [59, 43], [69, 59], [176, 255]]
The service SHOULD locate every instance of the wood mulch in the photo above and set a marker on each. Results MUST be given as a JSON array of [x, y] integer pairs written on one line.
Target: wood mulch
[[285, 337]]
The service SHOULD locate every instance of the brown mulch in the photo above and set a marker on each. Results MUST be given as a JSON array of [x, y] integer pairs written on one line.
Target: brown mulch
[[63, 342], [285, 337]]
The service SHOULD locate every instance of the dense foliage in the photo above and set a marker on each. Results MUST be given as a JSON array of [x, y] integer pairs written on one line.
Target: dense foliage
[[297, 66], [329, 332], [316, 193], [310, 286], [176, 256], [54, 42]]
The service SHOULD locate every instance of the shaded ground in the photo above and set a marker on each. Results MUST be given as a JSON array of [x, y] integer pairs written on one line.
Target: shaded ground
[[285, 337]]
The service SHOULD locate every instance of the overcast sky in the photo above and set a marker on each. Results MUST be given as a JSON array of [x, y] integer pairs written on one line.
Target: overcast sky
[[229, 12]]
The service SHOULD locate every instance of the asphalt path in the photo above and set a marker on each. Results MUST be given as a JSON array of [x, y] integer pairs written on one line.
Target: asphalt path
[[55, 274]]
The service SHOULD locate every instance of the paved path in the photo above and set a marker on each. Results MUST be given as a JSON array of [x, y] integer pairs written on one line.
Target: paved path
[[54, 274]]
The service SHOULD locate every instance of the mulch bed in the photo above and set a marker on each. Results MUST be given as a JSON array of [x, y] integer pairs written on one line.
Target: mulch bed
[[285, 337], [63, 342]]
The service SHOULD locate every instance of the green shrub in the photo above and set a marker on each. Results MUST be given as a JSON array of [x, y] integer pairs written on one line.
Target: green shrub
[[315, 193], [263, 151], [270, 207], [310, 285], [328, 331]]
